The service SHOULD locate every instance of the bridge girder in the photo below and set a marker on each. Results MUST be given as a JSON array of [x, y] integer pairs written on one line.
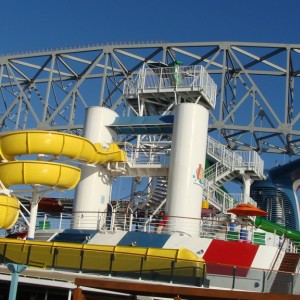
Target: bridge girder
[[258, 86]]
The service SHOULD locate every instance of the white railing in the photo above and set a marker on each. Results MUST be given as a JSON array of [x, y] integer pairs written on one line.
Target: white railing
[[223, 154], [130, 87], [194, 78], [246, 160], [228, 160], [161, 157], [217, 197], [217, 170], [243, 198], [252, 160], [209, 227], [147, 156]]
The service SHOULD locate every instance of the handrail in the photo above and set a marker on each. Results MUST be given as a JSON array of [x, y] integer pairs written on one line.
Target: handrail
[[277, 256], [246, 160]]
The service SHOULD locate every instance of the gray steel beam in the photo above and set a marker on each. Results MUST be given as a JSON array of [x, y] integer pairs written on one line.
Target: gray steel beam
[[258, 86]]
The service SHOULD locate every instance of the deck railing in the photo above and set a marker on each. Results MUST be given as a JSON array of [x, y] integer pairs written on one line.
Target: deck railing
[[219, 227]]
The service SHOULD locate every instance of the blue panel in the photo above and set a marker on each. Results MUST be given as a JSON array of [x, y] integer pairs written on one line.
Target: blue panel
[[144, 120], [74, 236], [143, 239], [143, 125]]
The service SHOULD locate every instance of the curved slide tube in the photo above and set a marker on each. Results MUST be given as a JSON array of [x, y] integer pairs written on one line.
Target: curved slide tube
[[38, 172], [278, 229], [58, 144], [9, 211]]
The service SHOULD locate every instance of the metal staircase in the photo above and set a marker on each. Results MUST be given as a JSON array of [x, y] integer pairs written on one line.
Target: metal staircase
[[220, 174], [231, 164], [156, 199], [228, 165]]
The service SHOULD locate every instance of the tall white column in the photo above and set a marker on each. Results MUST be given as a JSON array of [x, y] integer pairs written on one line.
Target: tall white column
[[247, 187], [33, 213], [94, 189], [187, 166]]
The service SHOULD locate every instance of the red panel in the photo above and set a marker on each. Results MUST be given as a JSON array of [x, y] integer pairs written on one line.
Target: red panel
[[222, 256], [50, 205]]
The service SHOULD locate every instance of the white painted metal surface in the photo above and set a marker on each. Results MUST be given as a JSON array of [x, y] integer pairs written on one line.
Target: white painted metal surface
[[187, 165], [94, 189]]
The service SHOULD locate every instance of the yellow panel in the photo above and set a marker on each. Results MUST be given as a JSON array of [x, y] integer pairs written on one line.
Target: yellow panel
[[129, 249], [186, 254], [94, 260], [126, 262], [170, 253], [205, 204], [156, 263], [9, 211], [41, 256], [69, 258], [2, 247], [97, 258], [16, 253], [95, 247], [35, 172]]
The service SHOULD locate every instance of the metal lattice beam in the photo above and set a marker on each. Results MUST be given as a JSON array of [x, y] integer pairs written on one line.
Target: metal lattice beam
[[258, 87]]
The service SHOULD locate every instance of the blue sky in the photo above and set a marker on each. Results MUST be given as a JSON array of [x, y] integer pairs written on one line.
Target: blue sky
[[41, 24]]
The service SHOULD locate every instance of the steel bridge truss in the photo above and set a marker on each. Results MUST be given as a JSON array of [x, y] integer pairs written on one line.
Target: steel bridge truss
[[258, 87]]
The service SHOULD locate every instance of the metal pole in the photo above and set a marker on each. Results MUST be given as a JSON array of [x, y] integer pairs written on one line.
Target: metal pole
[[233, 277], [16, 270], [264, 282], [33, 213]]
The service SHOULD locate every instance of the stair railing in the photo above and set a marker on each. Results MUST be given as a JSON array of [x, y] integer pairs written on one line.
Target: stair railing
[[216, 171], [245, 160], [271, 272]]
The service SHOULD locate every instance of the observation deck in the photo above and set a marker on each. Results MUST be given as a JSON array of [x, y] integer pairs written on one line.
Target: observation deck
[[164, 85]]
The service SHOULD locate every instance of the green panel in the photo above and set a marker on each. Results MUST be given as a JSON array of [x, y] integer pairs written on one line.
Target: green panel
[[259, 238], [232, 236], [44, 225]]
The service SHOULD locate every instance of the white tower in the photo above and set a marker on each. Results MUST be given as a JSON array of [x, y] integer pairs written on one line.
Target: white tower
[[188, 155], [192, 92], [94, 189]]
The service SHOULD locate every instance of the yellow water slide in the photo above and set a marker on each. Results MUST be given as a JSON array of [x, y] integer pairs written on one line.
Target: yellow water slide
[[39, 172], [62, 176], [101, 258], [57, 144], [9, 211]]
